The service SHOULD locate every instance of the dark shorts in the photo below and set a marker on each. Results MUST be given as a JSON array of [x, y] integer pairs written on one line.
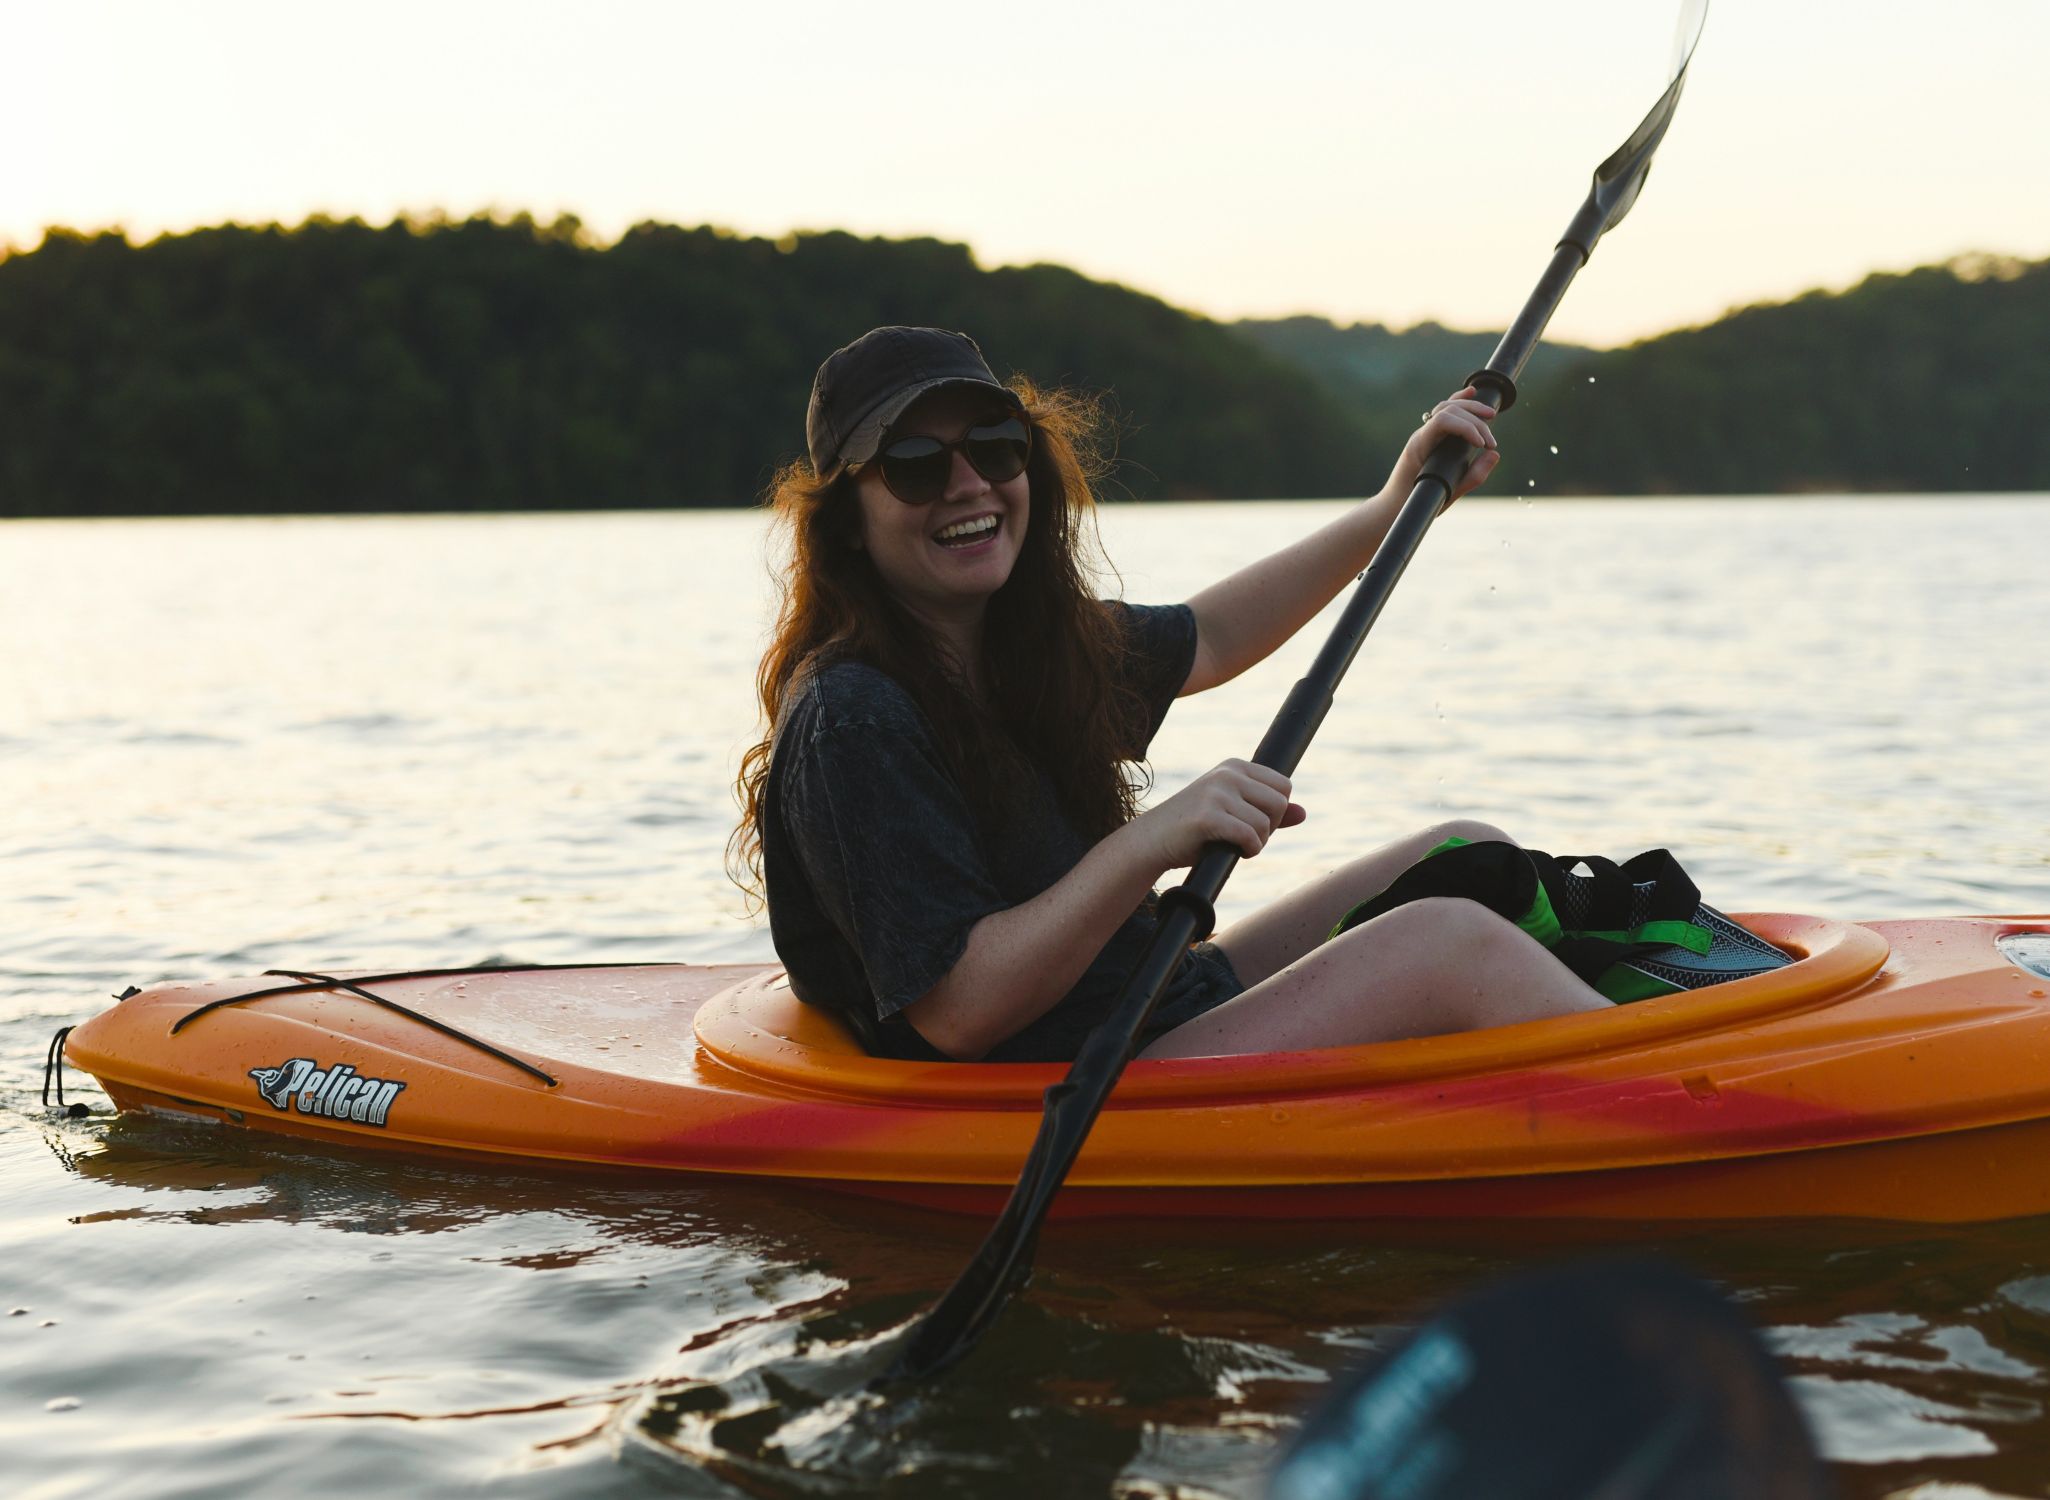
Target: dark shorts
[[1215, 982]]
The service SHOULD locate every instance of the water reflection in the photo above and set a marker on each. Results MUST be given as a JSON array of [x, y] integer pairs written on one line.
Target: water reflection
[[629, 1328]]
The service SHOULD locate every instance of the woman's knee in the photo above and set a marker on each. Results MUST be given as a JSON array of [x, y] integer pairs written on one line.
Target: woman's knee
[[1473, 830], [1448, 923]]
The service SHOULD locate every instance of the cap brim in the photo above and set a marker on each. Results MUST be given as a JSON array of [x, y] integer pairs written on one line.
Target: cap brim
[[867, 435]]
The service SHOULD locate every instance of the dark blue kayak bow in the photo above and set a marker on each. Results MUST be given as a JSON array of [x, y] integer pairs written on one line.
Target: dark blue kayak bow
[[1187, 912], [1626, 1380]]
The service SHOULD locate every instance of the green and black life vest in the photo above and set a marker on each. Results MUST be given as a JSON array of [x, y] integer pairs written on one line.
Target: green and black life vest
[[1631, 930]]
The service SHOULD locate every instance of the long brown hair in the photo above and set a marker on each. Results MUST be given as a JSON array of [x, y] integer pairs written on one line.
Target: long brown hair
[[1053, 697]]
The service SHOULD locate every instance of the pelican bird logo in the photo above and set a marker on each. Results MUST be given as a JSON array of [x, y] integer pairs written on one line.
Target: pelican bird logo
[[278, 1085]]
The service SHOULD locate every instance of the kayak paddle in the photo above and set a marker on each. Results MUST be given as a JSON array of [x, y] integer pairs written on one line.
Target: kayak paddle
[[1187, 912]]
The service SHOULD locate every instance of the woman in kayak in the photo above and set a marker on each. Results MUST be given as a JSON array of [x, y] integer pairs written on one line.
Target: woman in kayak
[[942, 815]]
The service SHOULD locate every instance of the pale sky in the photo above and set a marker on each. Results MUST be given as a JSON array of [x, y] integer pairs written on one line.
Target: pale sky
[[1366, 160]]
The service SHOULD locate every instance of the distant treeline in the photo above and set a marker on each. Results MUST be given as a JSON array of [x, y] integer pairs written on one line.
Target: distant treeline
[[1924, 381], [489, 364], [1386, 378]]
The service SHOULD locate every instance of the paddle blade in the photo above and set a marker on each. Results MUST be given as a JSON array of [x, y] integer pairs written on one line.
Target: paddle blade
[[1619, 179], [1687, 36], [1623, 1380]]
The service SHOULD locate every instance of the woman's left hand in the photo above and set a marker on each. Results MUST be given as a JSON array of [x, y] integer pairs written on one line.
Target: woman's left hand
[[1461, 415]]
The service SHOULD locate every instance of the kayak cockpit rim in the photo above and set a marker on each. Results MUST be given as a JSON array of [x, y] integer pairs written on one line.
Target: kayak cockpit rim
[[760, 1029]]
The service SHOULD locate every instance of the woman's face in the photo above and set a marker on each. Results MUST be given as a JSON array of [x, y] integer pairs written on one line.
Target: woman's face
[[943, 560]]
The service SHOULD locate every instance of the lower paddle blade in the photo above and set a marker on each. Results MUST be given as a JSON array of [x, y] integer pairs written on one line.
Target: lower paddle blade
[[1623, 1380]]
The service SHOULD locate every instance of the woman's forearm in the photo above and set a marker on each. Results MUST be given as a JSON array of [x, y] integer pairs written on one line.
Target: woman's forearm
[[1020, 961], [1242, 619]]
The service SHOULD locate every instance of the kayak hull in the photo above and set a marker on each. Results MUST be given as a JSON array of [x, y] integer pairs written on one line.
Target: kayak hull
[[1958, 1177], [1897, 1071]]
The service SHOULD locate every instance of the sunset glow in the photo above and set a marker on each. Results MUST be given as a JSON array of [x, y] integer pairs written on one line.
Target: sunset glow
[[1368, 162]]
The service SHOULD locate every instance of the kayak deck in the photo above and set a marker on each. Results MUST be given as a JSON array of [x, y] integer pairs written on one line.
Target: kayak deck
[[1896, 1070]]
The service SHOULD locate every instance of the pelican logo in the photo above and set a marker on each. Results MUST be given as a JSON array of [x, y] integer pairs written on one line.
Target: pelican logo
[[337, 1093]]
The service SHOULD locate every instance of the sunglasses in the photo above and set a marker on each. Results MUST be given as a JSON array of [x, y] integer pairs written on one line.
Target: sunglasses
[[916, 469]]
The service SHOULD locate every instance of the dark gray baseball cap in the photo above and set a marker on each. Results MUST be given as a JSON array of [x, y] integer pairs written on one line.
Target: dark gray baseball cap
[[861, 389]]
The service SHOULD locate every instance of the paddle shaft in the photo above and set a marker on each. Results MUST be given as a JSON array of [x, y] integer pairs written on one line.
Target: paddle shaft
[[1302, 713], [1187, 911]]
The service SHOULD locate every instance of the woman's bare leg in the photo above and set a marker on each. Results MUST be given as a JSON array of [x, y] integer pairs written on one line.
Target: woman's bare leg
[[1283, 931], [1437, 965]]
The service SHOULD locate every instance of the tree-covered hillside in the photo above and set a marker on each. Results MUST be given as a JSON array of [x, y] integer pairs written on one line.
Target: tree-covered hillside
[[1387, 377], [1919, 381], [496, 365], [487, 365]]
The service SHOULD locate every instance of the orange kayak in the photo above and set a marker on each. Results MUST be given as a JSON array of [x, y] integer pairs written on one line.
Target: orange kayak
[[1897, 1070]]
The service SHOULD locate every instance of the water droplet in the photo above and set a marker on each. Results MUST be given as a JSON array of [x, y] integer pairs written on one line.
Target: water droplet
[[1530, 484], [63, 1403], [1555, 450], [1590, 380]]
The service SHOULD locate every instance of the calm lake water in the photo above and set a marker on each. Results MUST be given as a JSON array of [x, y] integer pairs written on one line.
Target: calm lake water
[[231, 745]]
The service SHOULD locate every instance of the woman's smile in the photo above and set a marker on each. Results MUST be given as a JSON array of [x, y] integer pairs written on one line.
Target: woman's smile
[[976, 529]]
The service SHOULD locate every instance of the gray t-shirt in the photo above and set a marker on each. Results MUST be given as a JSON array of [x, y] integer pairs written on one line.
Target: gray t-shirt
[[876, 870]]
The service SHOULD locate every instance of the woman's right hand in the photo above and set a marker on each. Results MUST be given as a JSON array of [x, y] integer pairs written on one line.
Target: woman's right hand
[[1237, 803], [1462, 415]]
